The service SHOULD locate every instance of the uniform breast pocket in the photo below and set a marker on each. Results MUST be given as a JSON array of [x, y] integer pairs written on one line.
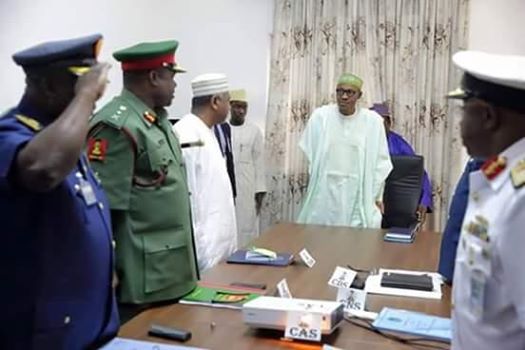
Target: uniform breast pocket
[[479, 256], [152, 165], [159, 154], [164, 254]]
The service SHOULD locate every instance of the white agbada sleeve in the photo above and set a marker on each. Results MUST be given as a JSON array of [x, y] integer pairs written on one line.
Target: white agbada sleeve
[[258, 157], [310, 139], [193, 160], [377, 167]]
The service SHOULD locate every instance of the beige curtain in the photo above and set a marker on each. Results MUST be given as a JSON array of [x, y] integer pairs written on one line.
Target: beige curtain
[[401, 48]]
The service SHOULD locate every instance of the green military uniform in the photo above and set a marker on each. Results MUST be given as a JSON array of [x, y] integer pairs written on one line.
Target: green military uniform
[[139, 161]]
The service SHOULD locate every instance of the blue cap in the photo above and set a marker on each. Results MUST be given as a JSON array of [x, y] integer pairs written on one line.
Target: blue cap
[[72, 52]]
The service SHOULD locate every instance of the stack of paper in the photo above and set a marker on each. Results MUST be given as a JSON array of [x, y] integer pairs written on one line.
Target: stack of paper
[[414, 323], [400, 234]]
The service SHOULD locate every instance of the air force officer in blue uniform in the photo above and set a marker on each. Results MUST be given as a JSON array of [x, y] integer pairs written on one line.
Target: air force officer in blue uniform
[[57, 255]]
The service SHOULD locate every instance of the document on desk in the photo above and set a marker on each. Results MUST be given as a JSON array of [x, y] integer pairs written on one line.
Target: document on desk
[[259, 256], [220, 296], [414, 323], [373, 285], [130, 344]]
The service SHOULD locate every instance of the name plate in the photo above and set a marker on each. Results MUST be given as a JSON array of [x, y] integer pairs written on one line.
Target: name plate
[[342, 278], [303, 326], [283, 290], [353, 299], [307, 258]]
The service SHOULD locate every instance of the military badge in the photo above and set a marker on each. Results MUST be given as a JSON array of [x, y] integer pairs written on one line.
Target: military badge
[[479, 228], [494, 166], [150, 117], [97, 149]]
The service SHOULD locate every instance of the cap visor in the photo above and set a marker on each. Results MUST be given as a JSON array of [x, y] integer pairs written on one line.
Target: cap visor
[[78, 71], [174, 67], [178, 69], [459, 94]]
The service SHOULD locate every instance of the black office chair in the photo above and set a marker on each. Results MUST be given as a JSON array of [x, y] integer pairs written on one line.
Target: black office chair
[[403, 190]]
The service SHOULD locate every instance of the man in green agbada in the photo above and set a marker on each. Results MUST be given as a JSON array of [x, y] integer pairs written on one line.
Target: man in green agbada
[[138, 159]]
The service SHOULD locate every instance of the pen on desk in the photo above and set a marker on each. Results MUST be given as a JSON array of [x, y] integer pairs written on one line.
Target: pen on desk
[[261, 286]]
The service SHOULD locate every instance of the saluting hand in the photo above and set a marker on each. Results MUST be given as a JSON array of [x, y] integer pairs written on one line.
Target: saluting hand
[[94, 82]]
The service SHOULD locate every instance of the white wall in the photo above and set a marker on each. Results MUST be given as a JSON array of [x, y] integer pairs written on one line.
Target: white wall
[[228, 36], [497, 26]]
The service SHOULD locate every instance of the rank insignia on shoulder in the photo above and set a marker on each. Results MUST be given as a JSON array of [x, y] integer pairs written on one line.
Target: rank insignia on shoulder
[[493, 167], [150, 117], [31, 123], [517, 174], [97, 149]]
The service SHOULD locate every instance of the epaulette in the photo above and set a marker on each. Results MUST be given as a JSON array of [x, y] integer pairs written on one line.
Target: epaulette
[[493, 167], [31, 123], [114, 114], [517, 174]]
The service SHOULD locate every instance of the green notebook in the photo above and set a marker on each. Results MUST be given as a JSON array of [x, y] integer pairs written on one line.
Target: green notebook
[[220, 296]]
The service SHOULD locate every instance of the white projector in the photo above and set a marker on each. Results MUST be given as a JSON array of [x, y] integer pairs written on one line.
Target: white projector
[[272, 312]]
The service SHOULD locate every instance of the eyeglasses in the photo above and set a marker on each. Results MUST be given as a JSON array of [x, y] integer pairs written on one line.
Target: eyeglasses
[[348, 92]]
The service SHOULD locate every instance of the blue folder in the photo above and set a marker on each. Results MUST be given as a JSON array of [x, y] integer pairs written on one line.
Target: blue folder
[[414, 323], [401, 234], [239, 257]]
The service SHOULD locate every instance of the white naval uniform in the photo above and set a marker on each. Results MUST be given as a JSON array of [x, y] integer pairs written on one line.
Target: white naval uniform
[[491, 315]]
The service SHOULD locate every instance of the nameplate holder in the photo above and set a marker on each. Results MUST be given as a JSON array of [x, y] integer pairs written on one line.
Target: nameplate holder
[[303, 326], [283, 290], [307, 258]]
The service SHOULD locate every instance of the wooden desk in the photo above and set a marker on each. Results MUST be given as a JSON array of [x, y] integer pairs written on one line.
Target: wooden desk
[[330, 246]]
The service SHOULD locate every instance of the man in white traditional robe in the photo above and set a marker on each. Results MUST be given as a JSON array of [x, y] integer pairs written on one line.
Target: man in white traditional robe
[[248, 158], [213, 211], [348, 162]]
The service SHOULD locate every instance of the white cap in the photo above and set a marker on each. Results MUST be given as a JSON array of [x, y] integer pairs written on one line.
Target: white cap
[[499, 79], [506, 70], [209, 84]]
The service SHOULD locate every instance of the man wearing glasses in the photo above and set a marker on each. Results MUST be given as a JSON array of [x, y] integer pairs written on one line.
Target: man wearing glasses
[[348, 161]]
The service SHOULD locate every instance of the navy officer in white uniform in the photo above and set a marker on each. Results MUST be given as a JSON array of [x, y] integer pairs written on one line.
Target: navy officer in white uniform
[[489, 281]]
